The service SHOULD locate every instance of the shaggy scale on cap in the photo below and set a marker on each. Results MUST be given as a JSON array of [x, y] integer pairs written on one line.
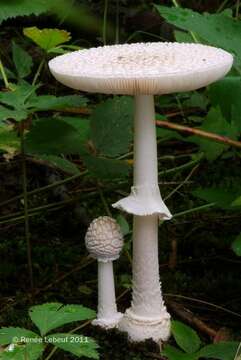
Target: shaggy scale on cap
[[104, 239], [142, 68]]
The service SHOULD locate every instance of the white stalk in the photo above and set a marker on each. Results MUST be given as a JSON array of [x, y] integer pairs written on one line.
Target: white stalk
[[147, 317], [107, 316]]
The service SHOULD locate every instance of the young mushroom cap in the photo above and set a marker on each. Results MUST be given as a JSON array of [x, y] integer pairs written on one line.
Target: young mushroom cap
[[142, 68], [104, 239]]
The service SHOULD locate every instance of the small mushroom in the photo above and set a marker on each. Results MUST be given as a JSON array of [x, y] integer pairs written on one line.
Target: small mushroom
[[144, 70], [104, 242]]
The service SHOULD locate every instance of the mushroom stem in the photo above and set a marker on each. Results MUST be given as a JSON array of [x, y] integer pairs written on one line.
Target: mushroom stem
[[106, 291], [145, 147], [147, 317], [107, 317]]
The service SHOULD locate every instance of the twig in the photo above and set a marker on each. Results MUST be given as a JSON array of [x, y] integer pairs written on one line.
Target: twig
[[26, 217], [193, 131], [188, 316], [204, 302]]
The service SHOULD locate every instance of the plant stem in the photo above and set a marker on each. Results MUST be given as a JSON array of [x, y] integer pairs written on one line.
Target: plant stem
[[4, 76], [117, 22], [38, 72], [193, 131], [237, 9], [176, 4], [26, 218], [221, 7], [105, 22], [179, 168], [47, 187], [198, 208]]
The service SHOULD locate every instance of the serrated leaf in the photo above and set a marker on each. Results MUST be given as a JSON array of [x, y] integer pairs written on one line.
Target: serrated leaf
[[111, 126], [60, 163], [216, 29], [14, 335], [18, 97], [22, 61], [53, 315], [23, 352], [12, 9], [77, 345], [50, 102], [215, 123], [185, 337], [106, 169], [219, 351], [53, 137], [236, 245], [47, 38], [7, 114]]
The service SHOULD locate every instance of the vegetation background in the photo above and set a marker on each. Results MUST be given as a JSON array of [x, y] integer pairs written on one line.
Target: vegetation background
[[66, 156]]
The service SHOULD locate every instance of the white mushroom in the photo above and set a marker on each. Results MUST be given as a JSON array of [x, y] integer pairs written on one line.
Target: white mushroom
[[104, 242], [144, 70]]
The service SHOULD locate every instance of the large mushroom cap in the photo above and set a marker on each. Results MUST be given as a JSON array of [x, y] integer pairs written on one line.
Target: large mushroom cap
[[142, 68], [104, 239]]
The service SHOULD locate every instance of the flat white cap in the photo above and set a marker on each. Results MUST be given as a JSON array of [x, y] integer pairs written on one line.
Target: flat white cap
[[104, 239], [142, 68]]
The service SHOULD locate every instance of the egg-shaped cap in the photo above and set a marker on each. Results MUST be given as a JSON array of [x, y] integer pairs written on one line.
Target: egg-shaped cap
[[104, 239], [142, 68]]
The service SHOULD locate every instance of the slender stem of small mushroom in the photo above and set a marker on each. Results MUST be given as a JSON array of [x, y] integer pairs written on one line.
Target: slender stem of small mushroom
[[106, 291]]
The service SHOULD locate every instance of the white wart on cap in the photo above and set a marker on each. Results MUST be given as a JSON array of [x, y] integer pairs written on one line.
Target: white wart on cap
[[142, 68], [104, 239]]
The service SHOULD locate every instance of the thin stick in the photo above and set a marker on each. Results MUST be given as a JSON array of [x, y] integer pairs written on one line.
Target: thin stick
[[193, 131], [38, 72], [205, 303], [4, 76], [26, 218], [237, 9], [105, 22]]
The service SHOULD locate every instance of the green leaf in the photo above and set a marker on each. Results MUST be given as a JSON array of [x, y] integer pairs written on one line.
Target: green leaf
[[222, 197], [14, 335], [185, 337], [215, 123], [14, 8], [53, 315], [22, 61], [216, 29], [77, 345], [23, 352], [19, 96], [226, 94], [9, 141], [60, 163], [106, 169], [219, 351], [53, 137], [50, 102], [183, 36], [47, 38], [125, 229], [111, 126], [236, 202], [7, 114], [236, 245], [175, 354]]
